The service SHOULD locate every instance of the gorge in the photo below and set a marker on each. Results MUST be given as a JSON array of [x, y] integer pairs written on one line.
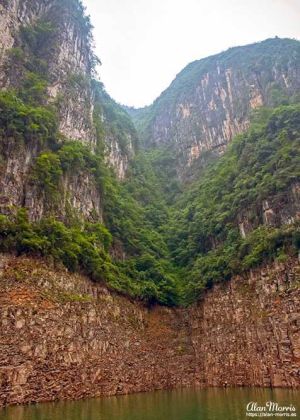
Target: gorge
[[150, 248]]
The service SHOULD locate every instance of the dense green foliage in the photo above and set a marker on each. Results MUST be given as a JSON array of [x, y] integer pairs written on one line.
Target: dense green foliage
[[67, 157], [159, 240], [259, 58], [262, 163], [257, 165], [177, 242], [25, 118], [25, 121], [77, 248], [201, 226], [128, 210]]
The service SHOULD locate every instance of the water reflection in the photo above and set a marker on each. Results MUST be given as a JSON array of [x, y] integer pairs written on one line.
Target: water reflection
[[186, 404]]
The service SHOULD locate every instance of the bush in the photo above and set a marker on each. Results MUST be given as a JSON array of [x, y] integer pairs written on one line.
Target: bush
[[26, 122], [47, 172]]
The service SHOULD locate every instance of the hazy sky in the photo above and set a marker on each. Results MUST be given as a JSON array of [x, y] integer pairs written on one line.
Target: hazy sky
[[143, 44]]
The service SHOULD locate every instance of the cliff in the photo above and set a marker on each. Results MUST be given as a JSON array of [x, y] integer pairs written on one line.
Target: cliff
[[57, 33], [137, 263], [63, 338], [46, 57], [211, 100]]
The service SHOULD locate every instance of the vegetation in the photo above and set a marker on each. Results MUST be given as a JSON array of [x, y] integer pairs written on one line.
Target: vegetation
[[168, 234], [38, 38], [25, 118], [25, 122], [256, 58], [146, 273], [117, 123], [76, 248], [262, 163], [86, 248], [177, 239]]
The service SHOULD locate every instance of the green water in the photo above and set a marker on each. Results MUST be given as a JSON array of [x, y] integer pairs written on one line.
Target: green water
[[187, 404]]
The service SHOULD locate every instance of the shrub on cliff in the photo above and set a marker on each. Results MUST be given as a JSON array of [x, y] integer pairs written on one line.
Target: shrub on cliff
[[26, 122]]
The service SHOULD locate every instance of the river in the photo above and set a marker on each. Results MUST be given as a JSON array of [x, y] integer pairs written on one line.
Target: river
[[185, 404]]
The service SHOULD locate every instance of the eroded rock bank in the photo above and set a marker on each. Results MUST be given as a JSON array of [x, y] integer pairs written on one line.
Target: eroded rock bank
[[64, 338]]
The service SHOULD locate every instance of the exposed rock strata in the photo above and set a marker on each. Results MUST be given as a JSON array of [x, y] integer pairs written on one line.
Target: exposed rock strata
[[62, 337], [280, 209], [80, 195], [69, 64], [211, 100], [71, 55]]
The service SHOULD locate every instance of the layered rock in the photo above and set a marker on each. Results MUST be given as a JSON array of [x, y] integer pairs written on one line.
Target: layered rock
[[211, 100], [67, 57], [246, 332], [280, 209], [70, 55], [116, 158], [78, 190], [64, 338]]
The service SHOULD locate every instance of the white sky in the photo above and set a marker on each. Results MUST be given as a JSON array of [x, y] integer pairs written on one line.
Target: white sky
[[143, 44]]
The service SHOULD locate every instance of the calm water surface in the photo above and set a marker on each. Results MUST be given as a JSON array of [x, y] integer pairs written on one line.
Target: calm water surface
[[187, 404]]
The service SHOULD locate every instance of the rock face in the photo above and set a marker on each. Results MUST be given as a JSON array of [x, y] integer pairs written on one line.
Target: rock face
[[64, 338], [70, 62], [79, 192], [70, 55], [211, 100], [248, 330], [120, 136], [281, 209], [65, 52]]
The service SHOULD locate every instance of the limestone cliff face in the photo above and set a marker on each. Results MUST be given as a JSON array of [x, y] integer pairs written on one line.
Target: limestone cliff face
[[120, 136], [211, 100], [79, 192], [69, 54], [64, 338], [116, 158], [65, 54], [280, 209]]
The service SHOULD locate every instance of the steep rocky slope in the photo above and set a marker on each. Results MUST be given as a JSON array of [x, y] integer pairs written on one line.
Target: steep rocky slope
[[65, 148], [65, 46], [210, 101], [46, 56], [187, 261], [244, 206], [60, 133], [63, 338]]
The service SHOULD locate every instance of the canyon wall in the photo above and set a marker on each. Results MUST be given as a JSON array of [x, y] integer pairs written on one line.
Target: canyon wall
[[211, 100], [64, 338], [67, 54], [50, 42], [282, 208], [70, 63]]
